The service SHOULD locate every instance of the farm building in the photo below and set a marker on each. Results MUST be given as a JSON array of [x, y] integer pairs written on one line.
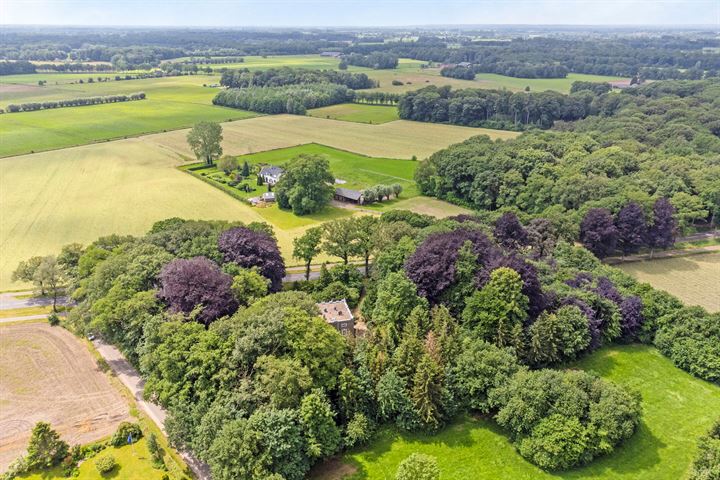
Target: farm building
[[271, 174], [330, 54], [348, 195], [268, 197], [464, 64], [338, 314]]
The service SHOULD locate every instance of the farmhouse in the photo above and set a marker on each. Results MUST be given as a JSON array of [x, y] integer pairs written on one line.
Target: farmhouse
[[330, 54], [271, 174], [338, 314], [348, 195], [464, 64]]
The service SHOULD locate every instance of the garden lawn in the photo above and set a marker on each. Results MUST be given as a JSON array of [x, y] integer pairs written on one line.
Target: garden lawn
[[694, 279], [677, 410], [134, 463], [357, 112]]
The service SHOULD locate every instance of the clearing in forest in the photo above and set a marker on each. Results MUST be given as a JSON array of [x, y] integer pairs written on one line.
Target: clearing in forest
[[357, 112], [46, 374]]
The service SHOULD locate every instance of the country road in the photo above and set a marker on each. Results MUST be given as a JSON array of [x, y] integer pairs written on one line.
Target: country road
[[132, 380]]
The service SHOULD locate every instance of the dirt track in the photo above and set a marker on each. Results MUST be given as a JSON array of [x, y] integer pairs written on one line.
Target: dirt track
[[47, 374]]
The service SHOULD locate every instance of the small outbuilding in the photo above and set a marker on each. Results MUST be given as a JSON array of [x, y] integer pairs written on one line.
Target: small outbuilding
[[337, 313], [348, 195], [268, 197]]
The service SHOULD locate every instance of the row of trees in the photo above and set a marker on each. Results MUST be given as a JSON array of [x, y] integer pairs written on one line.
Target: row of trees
[[275, 77], [377, 98], [16, 67], [659, 141], [495, 108], [378, 193], [295, 99], [629, 230], [75, 102], [376, 60]]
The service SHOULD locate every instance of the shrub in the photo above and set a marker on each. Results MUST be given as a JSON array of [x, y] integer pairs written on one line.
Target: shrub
[[418, 466], [45, 448], [105, 464], [707, 462], [54, 319], [123, 432], [358, 431]]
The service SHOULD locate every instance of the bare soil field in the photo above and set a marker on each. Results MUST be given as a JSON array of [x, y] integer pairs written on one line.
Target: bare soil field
[[46, 374]]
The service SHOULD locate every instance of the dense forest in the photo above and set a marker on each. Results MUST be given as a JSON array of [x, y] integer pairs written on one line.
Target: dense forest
[[296, 99], [276, 77], [659, 140], [376, 60], [464, 315], [479, 107], [649, 58]]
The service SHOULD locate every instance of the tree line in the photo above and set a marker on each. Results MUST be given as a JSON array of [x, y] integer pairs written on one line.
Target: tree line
[[75, 102], [276, 77], [377, 98], [376, 60], [16, 68], [655, 141], [493, 108], [543, 57], [465, 316], [295, 99]]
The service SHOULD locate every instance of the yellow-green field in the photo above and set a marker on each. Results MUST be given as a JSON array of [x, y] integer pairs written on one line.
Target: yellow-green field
[[77, 194], [357, 112], [400, 139], [694, 279]]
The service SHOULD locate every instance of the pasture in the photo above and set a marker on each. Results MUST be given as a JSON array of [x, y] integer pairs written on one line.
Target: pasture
[[76, 194], [694, 279], [173, 102], [47, 374], [357, 112], [675, 415]]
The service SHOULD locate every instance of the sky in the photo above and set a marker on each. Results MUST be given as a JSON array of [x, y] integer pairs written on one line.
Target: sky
[[247, 13]]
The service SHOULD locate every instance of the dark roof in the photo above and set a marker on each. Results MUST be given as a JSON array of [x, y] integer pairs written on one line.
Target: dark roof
[[347, 193], [271, 170]]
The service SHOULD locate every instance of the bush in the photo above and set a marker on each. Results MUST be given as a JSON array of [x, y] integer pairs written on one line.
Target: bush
[[359, 430], [397, 83], [105, 464], [418, 467], [125, 430], [54, 319], [707, 462], [45, 448]]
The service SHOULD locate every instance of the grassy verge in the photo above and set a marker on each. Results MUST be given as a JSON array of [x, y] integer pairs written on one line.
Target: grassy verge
[[25, 311]]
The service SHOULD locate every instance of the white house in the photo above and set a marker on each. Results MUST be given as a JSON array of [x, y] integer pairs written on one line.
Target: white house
[[271, 174]]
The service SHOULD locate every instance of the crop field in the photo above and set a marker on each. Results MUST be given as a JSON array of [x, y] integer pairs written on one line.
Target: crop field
[[694, 279], [76, 194], [399, 139], [675, 407], [47, 374], [357, 112], [173, 102]]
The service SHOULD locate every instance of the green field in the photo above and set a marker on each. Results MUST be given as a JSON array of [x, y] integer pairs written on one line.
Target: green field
[[172, 103], [357, 112], [677, 410], [694, 279], [134, 462]]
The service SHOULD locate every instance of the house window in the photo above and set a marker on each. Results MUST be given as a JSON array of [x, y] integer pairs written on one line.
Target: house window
[[344, 331]]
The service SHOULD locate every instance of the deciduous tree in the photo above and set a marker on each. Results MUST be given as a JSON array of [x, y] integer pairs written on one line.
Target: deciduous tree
[[204, 140]]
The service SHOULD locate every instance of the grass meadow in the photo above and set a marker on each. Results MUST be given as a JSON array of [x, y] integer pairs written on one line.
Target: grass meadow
[[694, 279], [357, 112], [172, 103], [675, 407]]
